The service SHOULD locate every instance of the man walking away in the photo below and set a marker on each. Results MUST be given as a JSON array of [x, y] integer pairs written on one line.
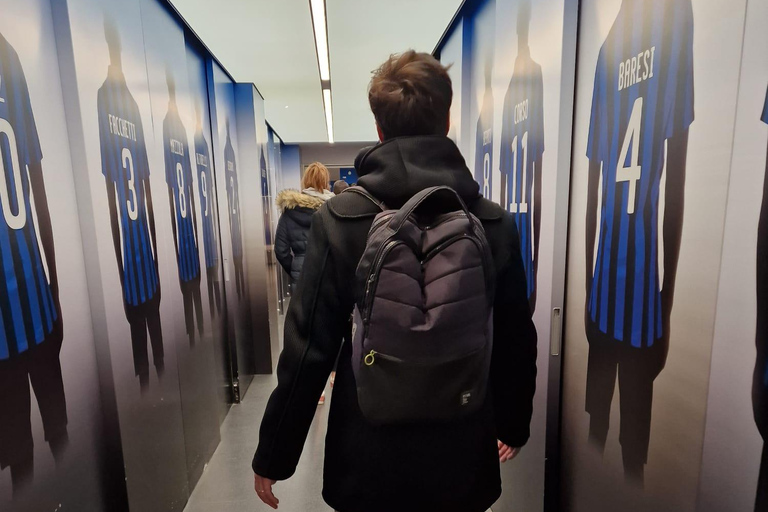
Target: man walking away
[[451, 465]]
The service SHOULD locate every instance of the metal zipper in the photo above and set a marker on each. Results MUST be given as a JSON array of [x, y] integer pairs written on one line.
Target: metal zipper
[[370, 358], [370, 284]]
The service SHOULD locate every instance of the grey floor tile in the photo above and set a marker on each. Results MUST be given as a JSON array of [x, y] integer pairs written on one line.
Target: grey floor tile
[[227, 483]]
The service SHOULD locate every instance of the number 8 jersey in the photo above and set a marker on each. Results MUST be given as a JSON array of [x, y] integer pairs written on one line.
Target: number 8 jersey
[[124, 164], [27, 308], [178, 176], [643, 95]]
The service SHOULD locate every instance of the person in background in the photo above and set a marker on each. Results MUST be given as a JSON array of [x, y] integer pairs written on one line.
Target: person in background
[[340, 186], [296, 210], [451, 467]]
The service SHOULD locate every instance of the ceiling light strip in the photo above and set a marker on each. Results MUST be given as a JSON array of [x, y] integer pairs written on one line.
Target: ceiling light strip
[[328, 114], [321, 37]]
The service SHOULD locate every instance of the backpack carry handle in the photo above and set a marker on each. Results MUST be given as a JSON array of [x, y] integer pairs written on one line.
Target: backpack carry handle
[[417, 200]]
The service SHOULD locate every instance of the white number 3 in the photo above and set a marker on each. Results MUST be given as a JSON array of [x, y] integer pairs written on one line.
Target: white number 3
[[631, 173]]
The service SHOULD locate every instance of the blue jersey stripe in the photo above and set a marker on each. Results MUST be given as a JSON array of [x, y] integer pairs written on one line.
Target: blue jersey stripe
[[36, 319]]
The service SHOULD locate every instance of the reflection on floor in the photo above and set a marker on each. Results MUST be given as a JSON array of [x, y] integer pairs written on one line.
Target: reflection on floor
[[227, 483]]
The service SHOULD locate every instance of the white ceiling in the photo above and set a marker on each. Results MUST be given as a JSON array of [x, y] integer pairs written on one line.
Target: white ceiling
[[270, 43]]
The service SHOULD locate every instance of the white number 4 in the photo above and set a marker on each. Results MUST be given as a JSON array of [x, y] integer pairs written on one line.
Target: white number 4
[[631, 173]]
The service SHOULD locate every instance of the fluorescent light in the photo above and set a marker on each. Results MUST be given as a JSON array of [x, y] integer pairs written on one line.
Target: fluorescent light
[[321, 37], [328, 114]]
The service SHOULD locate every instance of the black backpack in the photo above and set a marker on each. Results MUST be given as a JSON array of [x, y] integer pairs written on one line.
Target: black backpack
[[422, 332]]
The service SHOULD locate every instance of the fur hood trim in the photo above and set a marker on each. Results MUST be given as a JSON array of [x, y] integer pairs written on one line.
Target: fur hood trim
[[290, 199]]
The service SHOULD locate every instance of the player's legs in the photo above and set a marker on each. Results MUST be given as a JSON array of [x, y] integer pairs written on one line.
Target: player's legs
[[48, 385], [602, 368], [637, 371], [761, 502], [16, 445], [198, 300], [155, 334], [138, 323]]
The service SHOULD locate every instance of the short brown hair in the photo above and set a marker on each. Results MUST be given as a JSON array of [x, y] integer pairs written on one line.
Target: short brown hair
[[316, 176], [411, 94]]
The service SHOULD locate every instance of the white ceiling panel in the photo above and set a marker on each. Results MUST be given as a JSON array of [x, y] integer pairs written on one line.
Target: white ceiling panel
[[270, 43], [362, 35]]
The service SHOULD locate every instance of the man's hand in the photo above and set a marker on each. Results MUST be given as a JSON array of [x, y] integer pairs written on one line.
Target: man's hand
[[506, 452], [263, 487]]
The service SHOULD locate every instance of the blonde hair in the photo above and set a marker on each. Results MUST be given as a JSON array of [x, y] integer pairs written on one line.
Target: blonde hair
[[316, 176]]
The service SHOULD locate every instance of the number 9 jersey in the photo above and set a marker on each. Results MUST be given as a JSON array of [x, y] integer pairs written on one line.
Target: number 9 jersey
[[643, 95], [28, 310], [124, 164]]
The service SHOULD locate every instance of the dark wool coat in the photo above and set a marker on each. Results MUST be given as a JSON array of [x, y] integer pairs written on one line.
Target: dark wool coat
[[417, 468]]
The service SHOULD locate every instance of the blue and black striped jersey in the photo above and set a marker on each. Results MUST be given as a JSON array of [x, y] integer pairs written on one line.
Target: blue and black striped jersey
[[764, 117], [124, 162], [178, 176], [522, 146], [642, 96], [233, 194], [207, 199], [484, 145], [28, 311]]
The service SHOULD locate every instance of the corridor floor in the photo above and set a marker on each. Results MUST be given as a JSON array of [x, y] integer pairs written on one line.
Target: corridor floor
[[227, 483]]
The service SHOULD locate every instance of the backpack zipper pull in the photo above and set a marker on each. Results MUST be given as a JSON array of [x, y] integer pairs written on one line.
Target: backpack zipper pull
[[369, 359]]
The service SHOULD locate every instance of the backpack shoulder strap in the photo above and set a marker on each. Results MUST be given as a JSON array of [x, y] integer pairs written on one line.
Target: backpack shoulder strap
[[357, 189]]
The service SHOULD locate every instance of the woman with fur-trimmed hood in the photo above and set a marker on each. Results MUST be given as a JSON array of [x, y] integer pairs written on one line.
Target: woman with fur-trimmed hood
[[297, 209]]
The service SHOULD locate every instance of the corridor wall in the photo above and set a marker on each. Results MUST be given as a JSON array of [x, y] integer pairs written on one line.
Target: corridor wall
[[118, 202], [52, 435], [656, 97], [663, 355], [735, 459], [291, 160], [251, 126], [121, 172], [506, 57]]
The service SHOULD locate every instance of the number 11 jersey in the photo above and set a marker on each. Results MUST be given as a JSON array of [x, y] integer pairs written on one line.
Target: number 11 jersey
[[124, 163], [642, 96], [522, 146]]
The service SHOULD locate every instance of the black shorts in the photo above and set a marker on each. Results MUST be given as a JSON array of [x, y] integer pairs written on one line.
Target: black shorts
[[41, 367], [143, 319]]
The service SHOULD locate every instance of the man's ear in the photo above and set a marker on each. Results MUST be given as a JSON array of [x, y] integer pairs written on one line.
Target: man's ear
[[381, 133]]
